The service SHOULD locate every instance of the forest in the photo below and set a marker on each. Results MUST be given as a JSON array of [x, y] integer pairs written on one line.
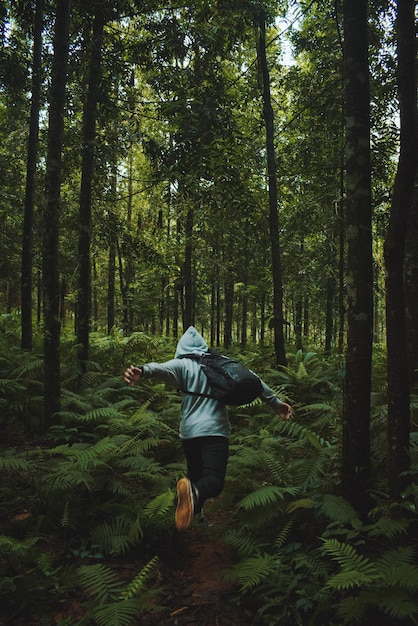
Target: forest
[[247, 167]]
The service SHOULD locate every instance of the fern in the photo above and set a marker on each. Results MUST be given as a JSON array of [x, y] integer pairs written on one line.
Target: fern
[[310, 471], [11, 461], [99, 581], [389, 527], [398, 569], [337, 509], [244, 543], [251, 571], [138, 583], [283, 535], [121, 613], [118, 535], [348, 558], [113, 604], [16, 547], [268, 495], [160, 505]]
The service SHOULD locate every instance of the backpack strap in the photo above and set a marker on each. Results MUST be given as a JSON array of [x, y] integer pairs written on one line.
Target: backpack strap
[[195, 357]]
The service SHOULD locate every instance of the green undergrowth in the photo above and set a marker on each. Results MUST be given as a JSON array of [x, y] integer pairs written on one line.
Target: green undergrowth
[[96, 492]]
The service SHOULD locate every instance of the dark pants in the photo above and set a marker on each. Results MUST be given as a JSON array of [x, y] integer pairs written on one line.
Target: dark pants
[[207, 458]]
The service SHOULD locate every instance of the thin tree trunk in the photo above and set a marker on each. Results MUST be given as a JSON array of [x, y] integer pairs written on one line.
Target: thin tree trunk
[[229, 299], [129, 261], [88, 157], [51, 283], [279, 347], [341, 262], [111, 274], [329, 314], [397, 360], [32, 157], [244, 319], [356, 412], [188, 271]]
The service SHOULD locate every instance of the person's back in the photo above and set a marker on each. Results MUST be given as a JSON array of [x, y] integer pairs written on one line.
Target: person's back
[[204, 424]]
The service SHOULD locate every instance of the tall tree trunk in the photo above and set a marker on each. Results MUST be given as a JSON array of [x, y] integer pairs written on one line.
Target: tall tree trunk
[[51, 283], [32, 157], [341, 264], [188, 271], [244, 317], [128, 249], [411, 291], [228, 304], [279, 347], [356, 412], [397, 361], [88, 156], [329, 313], [111, 274]]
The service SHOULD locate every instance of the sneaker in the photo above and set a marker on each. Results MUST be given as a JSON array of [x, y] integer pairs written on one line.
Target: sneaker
[[185, 504]]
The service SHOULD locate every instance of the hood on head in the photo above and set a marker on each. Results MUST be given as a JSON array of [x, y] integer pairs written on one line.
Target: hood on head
[[191, 342]]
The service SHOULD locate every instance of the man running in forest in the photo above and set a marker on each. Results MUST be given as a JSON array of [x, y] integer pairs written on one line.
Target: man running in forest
[[204, 424]]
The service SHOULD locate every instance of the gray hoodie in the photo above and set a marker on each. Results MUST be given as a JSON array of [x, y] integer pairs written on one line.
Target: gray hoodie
[[200, 417]]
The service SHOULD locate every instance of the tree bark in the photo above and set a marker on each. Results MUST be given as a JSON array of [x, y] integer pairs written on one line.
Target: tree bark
[[31, 164], [188, 271], [228, 312], [356, 411], [51, 283], [397, 361], [87, 172], [279, 344], [111, 273], [411, 291]]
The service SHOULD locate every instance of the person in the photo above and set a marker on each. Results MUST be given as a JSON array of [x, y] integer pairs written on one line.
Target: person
[[204, 425]]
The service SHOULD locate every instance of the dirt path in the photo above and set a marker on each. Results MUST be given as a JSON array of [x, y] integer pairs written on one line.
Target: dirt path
[[193, 588]]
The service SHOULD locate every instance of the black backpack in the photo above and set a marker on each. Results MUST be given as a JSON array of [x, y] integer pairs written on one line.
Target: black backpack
[[230, 381]]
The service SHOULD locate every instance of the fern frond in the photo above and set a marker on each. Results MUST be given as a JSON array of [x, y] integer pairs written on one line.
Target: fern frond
[[245, 544], [265, 496], [311, 470], [357, 570], [398, 568], [65, 476], [122, 613], [99, 581], [292, 429], [140, 465], [274, 465], [353, 578], [67, 521], [116, 536], [397, 605], [140, 580], [160, 504], [389, 527], [252, 571], [29, 366], [302, 503], [139, 444], [283, 535], [337, 509], [12, 461], [102, 413], [10, 545]]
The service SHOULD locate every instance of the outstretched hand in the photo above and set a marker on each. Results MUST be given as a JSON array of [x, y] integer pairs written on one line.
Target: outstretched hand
[[132, 375], [284, 410]]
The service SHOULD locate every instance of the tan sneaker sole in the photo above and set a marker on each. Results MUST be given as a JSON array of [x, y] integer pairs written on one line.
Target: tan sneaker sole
[[184, 510]]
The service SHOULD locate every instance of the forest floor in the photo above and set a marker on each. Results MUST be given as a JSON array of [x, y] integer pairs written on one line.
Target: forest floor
[[192, 583], [189, 584]]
